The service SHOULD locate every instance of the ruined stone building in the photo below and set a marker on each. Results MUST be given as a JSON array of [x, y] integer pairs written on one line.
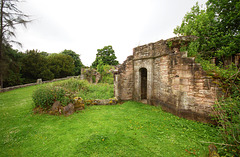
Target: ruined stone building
[[91, 75], [161, 75]]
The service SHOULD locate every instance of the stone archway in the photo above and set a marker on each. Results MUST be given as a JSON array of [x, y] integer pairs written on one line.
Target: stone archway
[[143, 83]]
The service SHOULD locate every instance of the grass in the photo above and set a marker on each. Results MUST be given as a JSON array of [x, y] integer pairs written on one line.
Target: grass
[[98, 91], [86, 90], [130, 129]]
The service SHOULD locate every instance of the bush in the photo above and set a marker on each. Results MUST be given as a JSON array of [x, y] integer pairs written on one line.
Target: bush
[[45, 96]]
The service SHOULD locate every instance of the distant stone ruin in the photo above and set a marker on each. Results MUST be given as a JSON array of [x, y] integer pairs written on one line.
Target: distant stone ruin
[[159, 74], [90, 74]]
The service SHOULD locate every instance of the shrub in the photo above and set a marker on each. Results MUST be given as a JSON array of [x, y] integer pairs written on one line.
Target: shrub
[[45, 96]]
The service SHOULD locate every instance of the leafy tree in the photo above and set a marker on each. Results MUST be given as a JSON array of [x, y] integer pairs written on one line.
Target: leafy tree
[[217, 28], [33, 65], [227, 17], [44, 53], [106, 55], [10, 16], [46, 74], [77, 61], [61, 65], [13, 59]]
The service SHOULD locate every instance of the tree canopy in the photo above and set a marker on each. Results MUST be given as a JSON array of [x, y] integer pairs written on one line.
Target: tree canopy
[[77, 61], [217, 29], [61, 65], [216, 26], [33, 63], [106, 55], [27, 67]]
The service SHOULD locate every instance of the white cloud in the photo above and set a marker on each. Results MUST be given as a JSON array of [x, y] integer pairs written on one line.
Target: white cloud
[[87, 25]]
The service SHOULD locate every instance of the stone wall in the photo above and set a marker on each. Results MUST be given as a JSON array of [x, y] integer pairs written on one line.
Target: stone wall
[[33, 84], [123, 80], [174, 81], [90, 74]]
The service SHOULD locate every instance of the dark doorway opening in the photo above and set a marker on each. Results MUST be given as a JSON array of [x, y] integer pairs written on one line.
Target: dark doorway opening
[[143, 75]]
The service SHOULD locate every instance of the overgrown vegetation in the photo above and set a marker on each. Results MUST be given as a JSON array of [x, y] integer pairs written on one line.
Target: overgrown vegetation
[[46, 96], [22, 68], [105, 55], [106, 73], [217, 27], [65, 91], [98, 91], [73, 84], [130, 129], [77, 61]]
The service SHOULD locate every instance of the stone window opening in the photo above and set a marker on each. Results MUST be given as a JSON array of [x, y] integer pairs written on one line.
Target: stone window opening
[[143, 83]]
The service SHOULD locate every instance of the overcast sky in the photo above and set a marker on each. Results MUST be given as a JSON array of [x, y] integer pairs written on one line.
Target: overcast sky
[[87, 25]]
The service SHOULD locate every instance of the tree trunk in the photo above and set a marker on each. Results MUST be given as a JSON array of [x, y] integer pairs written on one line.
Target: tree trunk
[[1, 43]]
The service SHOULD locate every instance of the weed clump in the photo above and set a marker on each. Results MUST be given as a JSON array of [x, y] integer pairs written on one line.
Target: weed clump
[[66, 91]]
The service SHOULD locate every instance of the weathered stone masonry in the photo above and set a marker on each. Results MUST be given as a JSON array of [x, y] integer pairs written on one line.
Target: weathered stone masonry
[[164, 76]]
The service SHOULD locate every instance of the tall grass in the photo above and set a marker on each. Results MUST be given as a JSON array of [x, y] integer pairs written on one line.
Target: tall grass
[[98, 91], [86, 90], [73, 84]]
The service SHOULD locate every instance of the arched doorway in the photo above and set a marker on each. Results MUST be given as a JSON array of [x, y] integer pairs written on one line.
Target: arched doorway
[[143, 83]]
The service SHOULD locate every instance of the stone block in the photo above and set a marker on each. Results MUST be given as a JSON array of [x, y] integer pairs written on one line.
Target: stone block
[[184, 81], [184, 67], [199, 85], [39, 81], [176, 81], [190, 94], [68, 110], [198, 81], [164, 68], [186, 74], [199, 95], [56, 107], [184, 88]]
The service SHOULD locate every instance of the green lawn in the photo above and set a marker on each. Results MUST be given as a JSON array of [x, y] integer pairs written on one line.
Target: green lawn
[[129, 129]]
